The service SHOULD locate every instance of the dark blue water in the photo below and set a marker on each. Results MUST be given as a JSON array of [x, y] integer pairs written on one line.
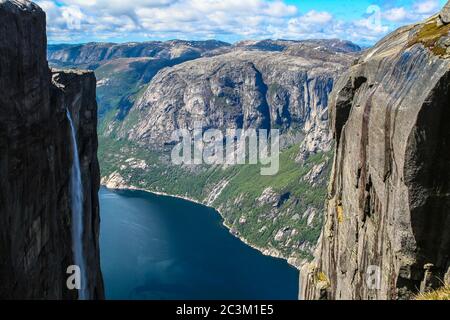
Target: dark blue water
[[157, 247]]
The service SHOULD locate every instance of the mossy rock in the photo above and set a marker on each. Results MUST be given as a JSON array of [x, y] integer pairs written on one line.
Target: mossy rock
[[429, 35]]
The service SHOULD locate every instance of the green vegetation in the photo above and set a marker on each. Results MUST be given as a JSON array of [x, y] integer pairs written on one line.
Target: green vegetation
[[122, 84], [429, 35], [279, 224], [438, 294]]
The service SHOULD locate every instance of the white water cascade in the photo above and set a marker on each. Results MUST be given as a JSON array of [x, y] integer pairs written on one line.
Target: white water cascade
[[77, 213]]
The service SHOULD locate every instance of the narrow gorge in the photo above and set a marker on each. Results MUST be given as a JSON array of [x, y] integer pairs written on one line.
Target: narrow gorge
[[36, 203]]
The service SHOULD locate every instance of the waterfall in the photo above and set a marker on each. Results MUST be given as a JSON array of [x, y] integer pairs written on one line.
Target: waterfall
[[77, 213]]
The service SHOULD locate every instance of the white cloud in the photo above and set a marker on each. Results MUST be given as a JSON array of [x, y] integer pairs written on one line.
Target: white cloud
[[396, 14], [77, 19], [83, 20], [369, 24], [279, 9], [72, 17], [426, 6], [419, 11], [314, 17]]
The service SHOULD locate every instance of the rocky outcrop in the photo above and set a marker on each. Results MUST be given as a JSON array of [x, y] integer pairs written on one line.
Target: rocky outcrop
[[445, 13], [35, 161], [386, 234], [75, 90]]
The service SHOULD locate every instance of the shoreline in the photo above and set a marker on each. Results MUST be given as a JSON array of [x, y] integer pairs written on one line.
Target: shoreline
[[266, 252]]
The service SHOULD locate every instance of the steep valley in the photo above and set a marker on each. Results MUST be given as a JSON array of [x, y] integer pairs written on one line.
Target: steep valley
[[360, 203], [280, 85]]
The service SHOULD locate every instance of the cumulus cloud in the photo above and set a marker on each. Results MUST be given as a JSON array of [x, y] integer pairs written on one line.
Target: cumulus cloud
[[420, 10], [426, 6], [101, 20], [314, 17], [396, 14]]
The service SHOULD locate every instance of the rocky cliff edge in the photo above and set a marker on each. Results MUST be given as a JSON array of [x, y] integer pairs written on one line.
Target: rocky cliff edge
[[386, 234], [35, 161]]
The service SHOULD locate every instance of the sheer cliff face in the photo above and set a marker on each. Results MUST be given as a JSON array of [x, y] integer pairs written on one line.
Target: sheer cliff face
[[389, 194], [244, 88], [35, 162]]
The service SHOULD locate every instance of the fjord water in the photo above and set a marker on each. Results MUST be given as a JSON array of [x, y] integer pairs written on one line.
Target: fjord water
[[158, 247], [76, 189]]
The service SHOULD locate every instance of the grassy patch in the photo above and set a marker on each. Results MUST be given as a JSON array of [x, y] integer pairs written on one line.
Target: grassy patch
[[439, 294], [429, 35]]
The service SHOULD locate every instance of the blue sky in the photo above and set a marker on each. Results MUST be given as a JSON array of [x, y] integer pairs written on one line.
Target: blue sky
[[361, 21]]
